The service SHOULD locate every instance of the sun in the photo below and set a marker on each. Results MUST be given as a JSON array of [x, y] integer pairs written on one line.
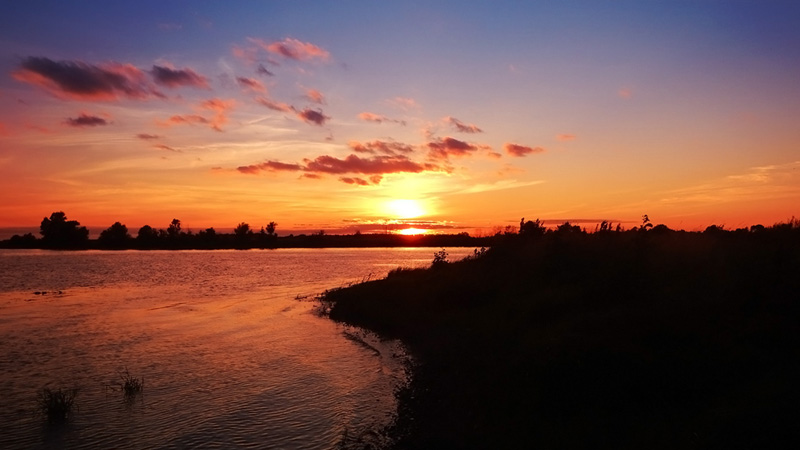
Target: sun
[[405, 209]]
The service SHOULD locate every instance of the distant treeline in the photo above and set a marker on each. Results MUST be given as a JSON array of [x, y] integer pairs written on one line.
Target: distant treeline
[[57, 232]]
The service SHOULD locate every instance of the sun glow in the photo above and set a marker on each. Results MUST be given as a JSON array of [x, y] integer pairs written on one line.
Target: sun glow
[[412, 231], [405, 209]]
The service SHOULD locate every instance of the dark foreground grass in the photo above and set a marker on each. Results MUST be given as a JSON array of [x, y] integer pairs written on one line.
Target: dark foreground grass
[[57, 405], [610, 340]]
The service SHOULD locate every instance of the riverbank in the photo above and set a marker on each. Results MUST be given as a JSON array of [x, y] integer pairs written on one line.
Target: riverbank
[[651, 339]]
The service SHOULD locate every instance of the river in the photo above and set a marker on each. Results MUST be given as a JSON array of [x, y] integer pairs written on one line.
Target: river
[[228, 343]]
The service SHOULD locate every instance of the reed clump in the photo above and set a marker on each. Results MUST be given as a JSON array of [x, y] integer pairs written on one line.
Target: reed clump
[[57, 405], [130, 384]]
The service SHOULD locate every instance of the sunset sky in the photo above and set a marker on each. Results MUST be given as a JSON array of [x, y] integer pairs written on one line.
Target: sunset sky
[[449, 116]]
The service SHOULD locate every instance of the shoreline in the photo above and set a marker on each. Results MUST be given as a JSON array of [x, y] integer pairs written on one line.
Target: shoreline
[[611, 340]]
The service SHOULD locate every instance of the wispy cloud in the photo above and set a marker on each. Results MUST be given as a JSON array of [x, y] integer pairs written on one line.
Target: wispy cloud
[[404, 103], [294, 49], [77, 80], [85, 120], [387, 148], [274, 105], [461, 126], [315, 96], [520, 151], [148, 137], [261, 70], [251, 84], [378, 118], [565, 137], [166, 147]]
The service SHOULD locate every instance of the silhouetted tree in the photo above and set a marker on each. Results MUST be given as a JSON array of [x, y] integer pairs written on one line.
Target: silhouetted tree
[[566, 227], [529, 228], [114, 236], [271, 228], [174, 229], [646, 224], [27, 240], [58, 232]]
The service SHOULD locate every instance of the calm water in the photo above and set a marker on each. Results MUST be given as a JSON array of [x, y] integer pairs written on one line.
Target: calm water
[[230, 357]]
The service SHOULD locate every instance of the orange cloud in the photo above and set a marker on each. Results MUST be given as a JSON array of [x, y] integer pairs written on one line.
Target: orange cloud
[[461, 126], [273, 105], [444, 148], [565, 137], [269, 166], [315, 96], [521, 150], [77, 80], [166, 147], [188, 119], [220, 109], [403, 102], [174, 78], [148, 137]]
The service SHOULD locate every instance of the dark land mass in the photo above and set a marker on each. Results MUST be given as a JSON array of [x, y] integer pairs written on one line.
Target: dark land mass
[[627, 340]]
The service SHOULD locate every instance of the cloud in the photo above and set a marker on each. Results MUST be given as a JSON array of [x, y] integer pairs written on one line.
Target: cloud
[[378, 118], [148, 137], [269, 166], [294, 49], [354, 180], [220, 108], [273, 105], [166, 147], [376, 167], [85, 120], [444, 148], [251, 84], [187, 119], [315, 96], [461, 126], [565, 137], [247, 54], [77, 80], [521, 150], [312, 116], [625, 93], [261, 70], [404, 103], [388, 148], [174, 78]]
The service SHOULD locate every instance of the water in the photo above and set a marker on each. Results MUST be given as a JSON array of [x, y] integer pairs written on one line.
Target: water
[[230, 357]]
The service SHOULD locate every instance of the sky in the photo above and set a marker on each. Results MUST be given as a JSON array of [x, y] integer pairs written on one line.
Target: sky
[[361, 115]]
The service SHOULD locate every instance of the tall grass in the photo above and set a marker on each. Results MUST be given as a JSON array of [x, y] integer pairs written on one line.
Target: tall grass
[[57, 405]]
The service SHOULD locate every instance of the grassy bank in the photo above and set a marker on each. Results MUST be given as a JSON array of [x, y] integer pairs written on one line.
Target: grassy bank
[[648, 339]]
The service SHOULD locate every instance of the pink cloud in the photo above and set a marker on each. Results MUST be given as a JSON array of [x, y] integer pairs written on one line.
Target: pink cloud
[[315, 96], [220, 108], [403, 102], [461, 126], [77, 80], [625, 93], [444, 148], [187, 119], [273, 105], [251, 84], [148, 137], [293, 49], [312, 116], [85, 120], [246, 54], [378, 118], [565, 137], [521, 150], [174, 78]]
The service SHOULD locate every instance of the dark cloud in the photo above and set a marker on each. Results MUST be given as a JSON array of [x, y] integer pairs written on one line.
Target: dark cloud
[[388, 148], [173, 78], [376, 165], [261, 70], [78, 80], [461, 126], [85, 120], [444, 148], [354, 180], [166, 147], [521, 150], [148, 137], [312, 116], [250, 83]]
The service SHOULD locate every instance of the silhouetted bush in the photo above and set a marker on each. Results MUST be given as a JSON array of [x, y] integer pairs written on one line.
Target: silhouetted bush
[[56, 406]]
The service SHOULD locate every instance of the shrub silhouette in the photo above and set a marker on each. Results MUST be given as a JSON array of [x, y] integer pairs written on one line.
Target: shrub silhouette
[[56, 406]]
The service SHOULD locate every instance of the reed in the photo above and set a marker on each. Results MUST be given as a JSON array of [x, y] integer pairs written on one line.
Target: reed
[[57, 405]]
